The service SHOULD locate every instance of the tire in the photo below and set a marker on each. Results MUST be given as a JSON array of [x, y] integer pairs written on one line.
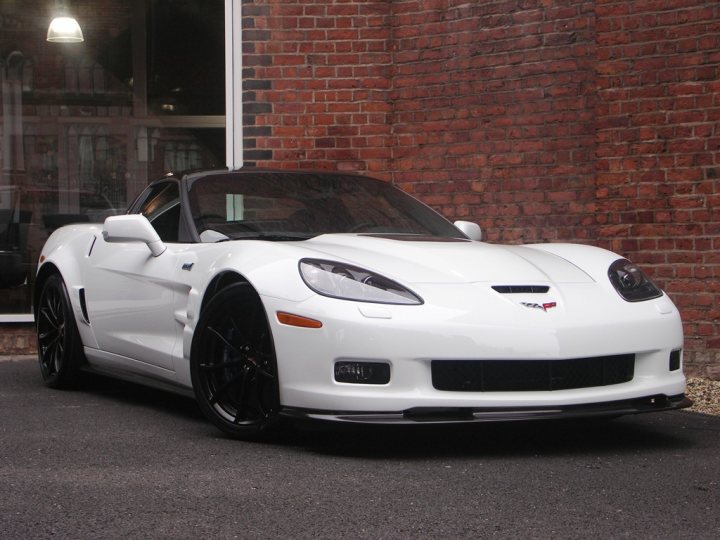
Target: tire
[[60, 350], [233, 365]]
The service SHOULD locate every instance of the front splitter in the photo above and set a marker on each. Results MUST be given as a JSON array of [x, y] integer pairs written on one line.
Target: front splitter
[[449, 415]]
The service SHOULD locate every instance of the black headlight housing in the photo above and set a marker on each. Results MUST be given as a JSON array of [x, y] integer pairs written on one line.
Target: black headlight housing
[[631, 283]]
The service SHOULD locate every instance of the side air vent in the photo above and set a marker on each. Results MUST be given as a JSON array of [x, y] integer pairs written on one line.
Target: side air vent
[[521, 289], [83, 305]]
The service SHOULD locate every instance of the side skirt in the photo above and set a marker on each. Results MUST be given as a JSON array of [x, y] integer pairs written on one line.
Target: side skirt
[[110, 365]]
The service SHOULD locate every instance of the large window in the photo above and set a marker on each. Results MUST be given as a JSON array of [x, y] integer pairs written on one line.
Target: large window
[[85, 126]]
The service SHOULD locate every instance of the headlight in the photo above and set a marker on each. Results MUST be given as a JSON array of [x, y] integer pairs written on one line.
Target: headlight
[[630, 282], [339, 280]]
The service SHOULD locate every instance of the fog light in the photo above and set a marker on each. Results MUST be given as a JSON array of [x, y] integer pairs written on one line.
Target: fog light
[[362, 372], [674, 360]]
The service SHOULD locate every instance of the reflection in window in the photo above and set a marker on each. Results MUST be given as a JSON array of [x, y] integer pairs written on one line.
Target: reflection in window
[[161, 207], [159, 200], [85, 127]]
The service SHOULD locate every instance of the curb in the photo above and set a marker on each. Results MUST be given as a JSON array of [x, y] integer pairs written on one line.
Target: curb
[[17, 358]]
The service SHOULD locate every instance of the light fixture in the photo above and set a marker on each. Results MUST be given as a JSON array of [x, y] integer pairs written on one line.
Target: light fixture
[[64, 28]]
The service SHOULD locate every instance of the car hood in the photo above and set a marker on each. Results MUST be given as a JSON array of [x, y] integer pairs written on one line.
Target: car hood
[[423, 260]]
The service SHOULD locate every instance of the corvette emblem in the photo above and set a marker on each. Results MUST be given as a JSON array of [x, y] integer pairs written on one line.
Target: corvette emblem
[[544, 307]]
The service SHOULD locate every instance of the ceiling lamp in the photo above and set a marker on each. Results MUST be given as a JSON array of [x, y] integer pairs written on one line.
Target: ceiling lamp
[[64, 28]]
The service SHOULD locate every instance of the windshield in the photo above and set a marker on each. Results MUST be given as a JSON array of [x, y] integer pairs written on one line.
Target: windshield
[[297, 206]]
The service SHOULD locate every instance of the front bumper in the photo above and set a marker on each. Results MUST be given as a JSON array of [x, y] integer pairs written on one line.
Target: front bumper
[[446, 415], [460, 323]]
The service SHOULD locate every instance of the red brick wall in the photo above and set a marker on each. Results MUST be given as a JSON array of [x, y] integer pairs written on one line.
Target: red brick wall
[[493, 114], [594, 121], [17, 339], [316, 81], [658, 152]]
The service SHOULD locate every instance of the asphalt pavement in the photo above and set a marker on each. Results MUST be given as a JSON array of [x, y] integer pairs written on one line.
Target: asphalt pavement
[[116, 460]]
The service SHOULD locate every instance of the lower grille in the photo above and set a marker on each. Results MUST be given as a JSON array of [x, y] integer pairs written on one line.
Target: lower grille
[[531, 375]]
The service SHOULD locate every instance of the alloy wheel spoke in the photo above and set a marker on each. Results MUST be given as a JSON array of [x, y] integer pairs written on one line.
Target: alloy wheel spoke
[[50, 334], [261, 369], [48, 357], [223, 365], [241, 412], [57, 357], [54, 343], [50, 307], [241, 334], [47, 316], [227, 343], [224, 388], [55, 305], [242, 353]]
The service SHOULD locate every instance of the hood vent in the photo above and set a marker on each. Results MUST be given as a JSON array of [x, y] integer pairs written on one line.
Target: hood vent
[[521, 289]]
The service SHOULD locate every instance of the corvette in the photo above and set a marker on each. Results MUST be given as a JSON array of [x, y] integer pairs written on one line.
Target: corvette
[[271, 295]]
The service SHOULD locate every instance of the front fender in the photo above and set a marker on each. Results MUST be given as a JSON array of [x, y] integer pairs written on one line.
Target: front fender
[[592, 260], [66, 252]]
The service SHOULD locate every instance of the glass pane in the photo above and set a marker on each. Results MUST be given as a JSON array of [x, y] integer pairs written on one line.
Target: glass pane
[[183, 57], [85, 126]]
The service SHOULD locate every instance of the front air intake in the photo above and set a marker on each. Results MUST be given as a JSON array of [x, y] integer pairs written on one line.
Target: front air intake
[[531, 375]]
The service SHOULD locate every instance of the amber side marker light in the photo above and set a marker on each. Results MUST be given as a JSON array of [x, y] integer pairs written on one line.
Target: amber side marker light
[[297, 320]]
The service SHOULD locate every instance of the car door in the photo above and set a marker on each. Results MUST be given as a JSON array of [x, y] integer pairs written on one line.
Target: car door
[[131, 295]]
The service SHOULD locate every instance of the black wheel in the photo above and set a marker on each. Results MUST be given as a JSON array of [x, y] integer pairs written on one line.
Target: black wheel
[[59, 346], [233, 367]]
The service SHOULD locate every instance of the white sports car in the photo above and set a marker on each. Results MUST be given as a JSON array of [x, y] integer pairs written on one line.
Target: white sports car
[[274, 294]]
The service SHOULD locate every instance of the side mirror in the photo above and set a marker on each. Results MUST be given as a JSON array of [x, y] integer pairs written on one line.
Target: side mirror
[[469, 229], [133, 228]]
